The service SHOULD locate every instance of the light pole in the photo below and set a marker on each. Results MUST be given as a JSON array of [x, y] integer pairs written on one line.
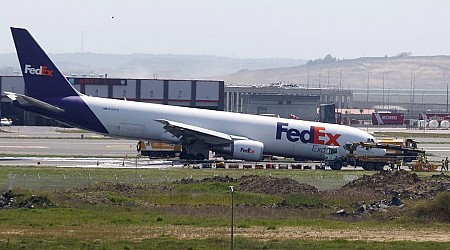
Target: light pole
[[368, 80], [383, 92], [389, 104], [232, 218], [446, 109]]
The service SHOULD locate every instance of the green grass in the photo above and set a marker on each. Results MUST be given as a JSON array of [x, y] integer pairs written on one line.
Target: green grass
[[134, 219], [27, 177], [223, 243]]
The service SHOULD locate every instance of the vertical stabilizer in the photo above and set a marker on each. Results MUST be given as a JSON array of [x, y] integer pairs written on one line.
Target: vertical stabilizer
[[42, 78]]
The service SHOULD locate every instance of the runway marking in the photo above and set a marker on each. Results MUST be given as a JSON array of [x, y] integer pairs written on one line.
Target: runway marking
[[119, 146], [24, 147]]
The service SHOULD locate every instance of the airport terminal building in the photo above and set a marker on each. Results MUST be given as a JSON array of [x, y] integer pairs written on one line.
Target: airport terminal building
[[274, 99], [189, 93], [284, 100]]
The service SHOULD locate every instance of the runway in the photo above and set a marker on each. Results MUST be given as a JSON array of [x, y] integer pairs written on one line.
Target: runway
[[50, 141], [101, 162], [67, 147]]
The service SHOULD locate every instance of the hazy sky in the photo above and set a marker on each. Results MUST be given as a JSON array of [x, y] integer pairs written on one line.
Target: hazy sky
[[236, 28]]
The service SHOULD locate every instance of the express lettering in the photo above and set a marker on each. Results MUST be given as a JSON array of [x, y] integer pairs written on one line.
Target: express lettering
[[315, 135], [318, 149], [41, 71]]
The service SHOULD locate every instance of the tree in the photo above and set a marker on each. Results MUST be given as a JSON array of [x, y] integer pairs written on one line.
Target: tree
[[327, 59]]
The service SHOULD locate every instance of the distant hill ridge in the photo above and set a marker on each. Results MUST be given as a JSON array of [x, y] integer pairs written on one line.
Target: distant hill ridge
[[425, 72], [147, 65]]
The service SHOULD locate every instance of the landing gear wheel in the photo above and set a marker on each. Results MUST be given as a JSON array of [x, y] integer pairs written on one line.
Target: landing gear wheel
[[337, 165], [183, 155], [199, 157], [379, 167], [370, 166]]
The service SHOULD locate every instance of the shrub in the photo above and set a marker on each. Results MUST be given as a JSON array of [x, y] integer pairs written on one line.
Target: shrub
[[434, 210]]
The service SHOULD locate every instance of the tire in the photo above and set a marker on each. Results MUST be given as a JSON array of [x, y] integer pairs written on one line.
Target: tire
[[379, 166], [337, 165], [183, 155], [190, 157], [200, 157], [370, 166]]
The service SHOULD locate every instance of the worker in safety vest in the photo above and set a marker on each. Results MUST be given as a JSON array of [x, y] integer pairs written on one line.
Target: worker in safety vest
[[446, 164]]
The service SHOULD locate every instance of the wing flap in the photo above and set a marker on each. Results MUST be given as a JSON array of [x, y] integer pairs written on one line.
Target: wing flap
[[187, 131]]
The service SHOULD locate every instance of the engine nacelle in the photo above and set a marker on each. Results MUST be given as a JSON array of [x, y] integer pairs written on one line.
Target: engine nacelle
[[242, 149]]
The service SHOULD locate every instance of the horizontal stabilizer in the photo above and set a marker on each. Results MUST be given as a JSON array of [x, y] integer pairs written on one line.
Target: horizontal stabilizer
[[24, 100]]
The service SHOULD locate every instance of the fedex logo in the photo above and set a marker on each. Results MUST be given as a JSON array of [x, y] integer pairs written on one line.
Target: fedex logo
[[315, 135], [41, 71], [247, 150]]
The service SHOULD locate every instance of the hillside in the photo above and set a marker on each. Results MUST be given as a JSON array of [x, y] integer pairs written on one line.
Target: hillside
[[146, 65], [426, 72]]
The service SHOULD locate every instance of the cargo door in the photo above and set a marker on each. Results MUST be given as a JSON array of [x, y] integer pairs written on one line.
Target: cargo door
[[131, 130]]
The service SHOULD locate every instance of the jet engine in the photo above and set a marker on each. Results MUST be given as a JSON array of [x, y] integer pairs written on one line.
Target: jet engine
[[242, 149]]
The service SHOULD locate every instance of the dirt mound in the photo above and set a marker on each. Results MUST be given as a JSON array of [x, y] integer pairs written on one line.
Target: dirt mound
[[106, 193], [440, 176], [399, 184], [119, 187], [216, 178], [272, 185], [260, 184]]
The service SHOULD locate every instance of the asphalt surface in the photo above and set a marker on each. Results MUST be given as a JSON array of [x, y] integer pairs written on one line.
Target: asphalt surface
[[67, 147]]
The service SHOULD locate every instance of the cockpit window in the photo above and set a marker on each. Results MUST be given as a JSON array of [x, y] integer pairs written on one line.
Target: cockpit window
[[371, 140]]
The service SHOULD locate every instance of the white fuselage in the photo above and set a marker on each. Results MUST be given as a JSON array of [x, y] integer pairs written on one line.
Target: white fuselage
[[282, 137]]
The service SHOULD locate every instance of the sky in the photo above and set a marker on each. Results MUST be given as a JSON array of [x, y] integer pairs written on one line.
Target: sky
[[300, 29]]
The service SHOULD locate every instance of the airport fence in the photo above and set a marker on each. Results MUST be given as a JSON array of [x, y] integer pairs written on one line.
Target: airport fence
[[55, 182], [61, 182]]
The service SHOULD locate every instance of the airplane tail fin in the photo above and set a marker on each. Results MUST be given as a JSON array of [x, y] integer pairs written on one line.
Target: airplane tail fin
[[42, 78]]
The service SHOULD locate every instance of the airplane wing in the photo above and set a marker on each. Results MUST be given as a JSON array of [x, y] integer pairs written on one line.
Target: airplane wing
[[31, 102], [191, 132]]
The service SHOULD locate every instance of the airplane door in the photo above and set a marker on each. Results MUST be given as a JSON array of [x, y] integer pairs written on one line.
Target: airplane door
[[127, 129], [132, 130]]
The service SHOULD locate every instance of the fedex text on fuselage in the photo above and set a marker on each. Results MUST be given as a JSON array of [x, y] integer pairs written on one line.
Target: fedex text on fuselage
[[315, 135]]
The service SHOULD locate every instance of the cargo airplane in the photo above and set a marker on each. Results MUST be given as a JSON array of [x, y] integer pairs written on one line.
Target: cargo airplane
[[238, 136]]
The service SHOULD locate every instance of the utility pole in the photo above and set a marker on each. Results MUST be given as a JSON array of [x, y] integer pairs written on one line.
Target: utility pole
[[446, 109], [307, 81], [368, 80], [232, 218], [383, 90], [320, 76]]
